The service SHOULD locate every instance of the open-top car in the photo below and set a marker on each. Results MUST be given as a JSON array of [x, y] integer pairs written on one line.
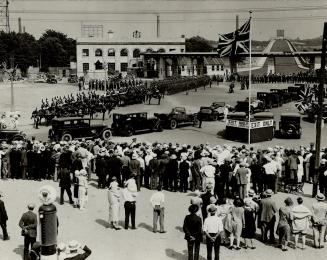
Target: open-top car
[[51, 79], [72, 78], [178, 116], [255, 106], [290, 125], [128, 124], [69, 128]]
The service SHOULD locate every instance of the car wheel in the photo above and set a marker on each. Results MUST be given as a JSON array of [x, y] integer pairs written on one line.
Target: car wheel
[[106, 134], [67, 137], [173, 124], [129, 131]]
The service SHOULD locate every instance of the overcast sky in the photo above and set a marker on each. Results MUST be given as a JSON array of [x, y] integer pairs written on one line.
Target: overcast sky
[[299, 18]]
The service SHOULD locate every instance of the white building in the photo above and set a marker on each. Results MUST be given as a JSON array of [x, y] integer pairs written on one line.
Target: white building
[[95, 56]]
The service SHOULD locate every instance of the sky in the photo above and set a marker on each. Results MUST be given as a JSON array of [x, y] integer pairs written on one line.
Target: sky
[[299, 18]]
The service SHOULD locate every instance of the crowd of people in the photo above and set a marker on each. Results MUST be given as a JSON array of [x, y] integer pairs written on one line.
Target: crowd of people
[[217, 174]]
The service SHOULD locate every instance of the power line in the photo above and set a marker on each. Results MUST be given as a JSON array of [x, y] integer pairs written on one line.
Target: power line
[[184, 11]]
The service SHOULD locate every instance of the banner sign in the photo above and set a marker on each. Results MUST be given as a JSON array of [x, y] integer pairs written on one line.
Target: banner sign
[[254, 125]]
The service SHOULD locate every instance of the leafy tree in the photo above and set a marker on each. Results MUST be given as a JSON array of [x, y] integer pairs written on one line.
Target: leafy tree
[[22, 46], [57, 50], [198, 44]]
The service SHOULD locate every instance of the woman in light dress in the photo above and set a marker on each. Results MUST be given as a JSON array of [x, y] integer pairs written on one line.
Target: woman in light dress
[[300, 170], [114, 203], [82, 189]]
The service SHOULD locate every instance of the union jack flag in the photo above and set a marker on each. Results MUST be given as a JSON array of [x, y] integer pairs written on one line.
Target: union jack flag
[[236, 42]]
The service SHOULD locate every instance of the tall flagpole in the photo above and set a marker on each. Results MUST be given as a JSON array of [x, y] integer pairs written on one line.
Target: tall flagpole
[[250, 80]]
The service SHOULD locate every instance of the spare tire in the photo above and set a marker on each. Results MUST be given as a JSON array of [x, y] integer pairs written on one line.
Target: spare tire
[[106, 134]]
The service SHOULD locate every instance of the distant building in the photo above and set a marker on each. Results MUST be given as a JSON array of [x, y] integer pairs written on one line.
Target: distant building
[[97, 56]]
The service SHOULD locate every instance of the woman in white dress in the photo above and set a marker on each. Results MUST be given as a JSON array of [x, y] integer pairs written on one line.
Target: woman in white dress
[[300, 170], [114, 203], [82, 189]]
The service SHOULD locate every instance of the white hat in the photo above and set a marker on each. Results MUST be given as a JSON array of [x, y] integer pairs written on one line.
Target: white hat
[[61, 246], [83, 172], [73, 245], [134, 156]]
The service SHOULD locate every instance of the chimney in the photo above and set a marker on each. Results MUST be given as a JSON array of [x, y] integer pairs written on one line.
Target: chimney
[[19, 25], [158, 26], [237, 23]]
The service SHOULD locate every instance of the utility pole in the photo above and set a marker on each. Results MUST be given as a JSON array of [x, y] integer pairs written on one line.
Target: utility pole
[[11, 75], [319, 115]]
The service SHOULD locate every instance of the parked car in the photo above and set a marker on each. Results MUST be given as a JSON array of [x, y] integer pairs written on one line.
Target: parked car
[[210, 113], [177, 117], [9, 135], [284, 96], [72, 78], [290, 125], [128, 124], [51, 79], [270, 99], [256, 106], [40, 79], [217, 105], [69, 128]]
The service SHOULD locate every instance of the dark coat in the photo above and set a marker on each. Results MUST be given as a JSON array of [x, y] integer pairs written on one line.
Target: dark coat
[[64, 178], [29, 222], [241, 177], [268, 209], [3, 213], [193, 227], [154, 165], [114, 166]]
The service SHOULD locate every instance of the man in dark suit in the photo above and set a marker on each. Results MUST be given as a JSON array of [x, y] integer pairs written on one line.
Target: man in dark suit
[[267, 216], [193, 232], [206, 200], [28, 224], [3, 219], [64, 184]]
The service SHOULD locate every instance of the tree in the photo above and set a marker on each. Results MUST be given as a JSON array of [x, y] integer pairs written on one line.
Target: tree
[[22, 46], [57, 50], [198, 44]]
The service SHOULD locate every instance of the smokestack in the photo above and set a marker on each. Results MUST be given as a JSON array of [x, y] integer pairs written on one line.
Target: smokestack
[[237, 26], [23, 29], [158, 26], [19, 25]]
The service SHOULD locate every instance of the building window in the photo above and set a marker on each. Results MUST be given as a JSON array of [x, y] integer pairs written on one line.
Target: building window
[[85, 52], [213, 67], [149, 50], [98, 53], [86, 67], [172, 49], [111, 66], [123, 66], [182, 50], [136, 53], [124, 53], [222, 67], [98, 65], [111, 52], [161, 50]]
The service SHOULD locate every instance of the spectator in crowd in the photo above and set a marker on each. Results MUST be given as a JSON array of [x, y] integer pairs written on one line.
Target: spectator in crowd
[[284, 227], [237, 223], [267, 217], [248, 232], [300, 216], [3, 218], [213, 228], [319, 220], [158, 204], [114, 203], [193, 233], [28, 224], [82, 189], [130, 194], [73, 253]]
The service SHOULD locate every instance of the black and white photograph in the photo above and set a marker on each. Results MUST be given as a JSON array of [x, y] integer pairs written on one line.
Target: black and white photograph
[[163, 129]]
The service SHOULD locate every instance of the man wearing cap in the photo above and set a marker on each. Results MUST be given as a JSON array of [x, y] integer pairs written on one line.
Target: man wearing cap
[[114, 166], [193, 232], [319, 221], [28, 224], [154, 165], [129, 195], [134, 167], [73, 254], [242, 179], [267, 216], [213, 227], [158, 203], [3, 218]]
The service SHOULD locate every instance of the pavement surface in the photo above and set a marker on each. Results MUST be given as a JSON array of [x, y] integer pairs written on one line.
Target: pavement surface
[[89, 226]]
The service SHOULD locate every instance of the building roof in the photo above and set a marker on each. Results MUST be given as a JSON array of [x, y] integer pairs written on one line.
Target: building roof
[[130, 41]]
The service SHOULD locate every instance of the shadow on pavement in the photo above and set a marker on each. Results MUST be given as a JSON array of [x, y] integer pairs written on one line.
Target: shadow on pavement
[[180, 229], [19, 250], [171, 253], [102, 222], [146, 226]]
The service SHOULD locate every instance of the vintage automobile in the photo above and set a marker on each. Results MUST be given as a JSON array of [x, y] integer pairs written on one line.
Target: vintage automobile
[[210, 113], [217, 105], [9, 135], [295, 91], [51, 79], [290, 125], [177, 117], [69, 128], [72, 78], [284, 96], [40, 79], [128, 124], [256, 106], [270, 99]]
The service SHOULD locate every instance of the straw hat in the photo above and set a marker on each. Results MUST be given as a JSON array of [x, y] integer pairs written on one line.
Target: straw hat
[[73, 245], [320, 197]]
